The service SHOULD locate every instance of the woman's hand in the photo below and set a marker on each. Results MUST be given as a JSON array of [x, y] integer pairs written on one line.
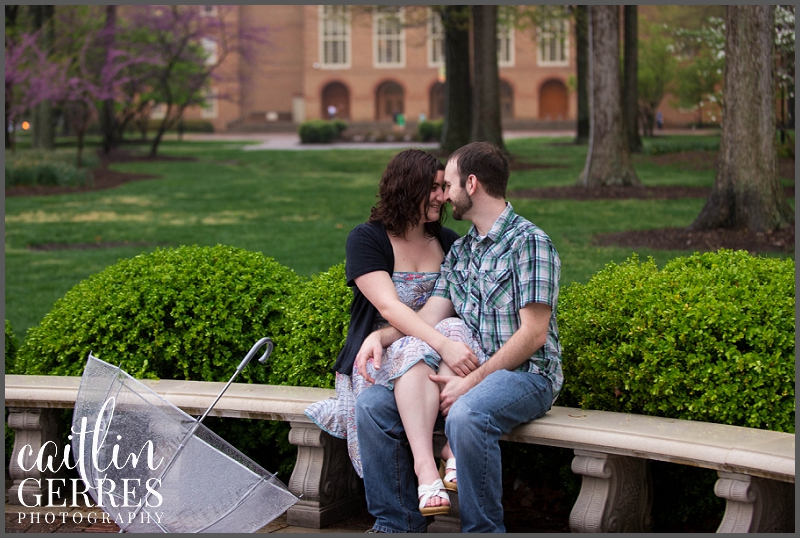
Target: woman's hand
[[371, 348], [459, 357]]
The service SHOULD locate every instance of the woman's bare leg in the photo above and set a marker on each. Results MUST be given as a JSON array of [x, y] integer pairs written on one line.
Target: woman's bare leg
[[418, 403], [447, 452]]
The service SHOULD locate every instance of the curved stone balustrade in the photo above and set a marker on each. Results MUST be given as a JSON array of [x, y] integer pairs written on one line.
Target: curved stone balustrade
[[612, 450]]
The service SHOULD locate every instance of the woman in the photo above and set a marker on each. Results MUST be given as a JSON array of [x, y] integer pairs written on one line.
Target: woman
[[392, 263]]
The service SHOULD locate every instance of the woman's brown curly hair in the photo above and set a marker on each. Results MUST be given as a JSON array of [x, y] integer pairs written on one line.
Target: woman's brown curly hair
[[405, 185]]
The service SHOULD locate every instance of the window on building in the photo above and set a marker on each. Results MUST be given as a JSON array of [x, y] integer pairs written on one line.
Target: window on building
[[208, 11], [210, 46], [554, 43], [505, 46], [211, 107], [389, 36], [435, 39], [334, 36]]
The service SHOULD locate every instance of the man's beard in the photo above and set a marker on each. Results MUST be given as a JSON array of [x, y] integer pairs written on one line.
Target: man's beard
[[461, 205]]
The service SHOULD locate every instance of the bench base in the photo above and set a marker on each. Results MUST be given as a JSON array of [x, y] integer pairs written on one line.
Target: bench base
[[755, 504], [323, 478]]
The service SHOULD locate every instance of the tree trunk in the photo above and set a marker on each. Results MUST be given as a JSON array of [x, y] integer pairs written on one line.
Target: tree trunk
[[608, 158], [162, 128], [486, 123], [80, 134], [11, 23], [747, 192], [582, 38], [107, 116], [457, 98], [631, 93], [44, 136]]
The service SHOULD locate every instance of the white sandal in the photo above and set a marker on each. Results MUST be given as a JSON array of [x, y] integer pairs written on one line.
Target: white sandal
[[448, 478], [434, 490]]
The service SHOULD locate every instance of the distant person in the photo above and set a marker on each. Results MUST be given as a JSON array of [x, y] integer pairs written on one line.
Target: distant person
[[332, 112], [422, 117], [659, 120]]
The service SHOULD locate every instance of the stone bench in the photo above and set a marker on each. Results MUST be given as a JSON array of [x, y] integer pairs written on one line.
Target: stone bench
[[755, 467]]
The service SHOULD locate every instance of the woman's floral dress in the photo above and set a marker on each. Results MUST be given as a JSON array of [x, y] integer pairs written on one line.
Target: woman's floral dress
[[337, 415]]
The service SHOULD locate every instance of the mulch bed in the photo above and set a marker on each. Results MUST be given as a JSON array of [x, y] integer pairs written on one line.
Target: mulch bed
[[615, 192], [702, 241]]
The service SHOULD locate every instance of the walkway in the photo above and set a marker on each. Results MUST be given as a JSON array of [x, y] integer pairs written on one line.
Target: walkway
[[291, 141]]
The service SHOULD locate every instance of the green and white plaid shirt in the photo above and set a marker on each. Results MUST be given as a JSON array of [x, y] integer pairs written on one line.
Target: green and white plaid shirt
[[489, 279]]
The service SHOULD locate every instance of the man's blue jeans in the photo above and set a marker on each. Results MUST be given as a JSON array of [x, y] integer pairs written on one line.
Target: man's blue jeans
[[474, 426]]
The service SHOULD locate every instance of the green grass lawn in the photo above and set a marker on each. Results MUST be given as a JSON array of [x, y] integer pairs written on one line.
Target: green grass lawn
[[295, 206]]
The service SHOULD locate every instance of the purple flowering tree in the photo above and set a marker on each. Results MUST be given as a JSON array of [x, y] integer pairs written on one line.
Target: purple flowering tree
[[29, 75], [190, 44]]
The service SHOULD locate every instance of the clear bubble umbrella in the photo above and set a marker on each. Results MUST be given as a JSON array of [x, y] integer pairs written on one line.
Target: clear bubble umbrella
[[154, 468]]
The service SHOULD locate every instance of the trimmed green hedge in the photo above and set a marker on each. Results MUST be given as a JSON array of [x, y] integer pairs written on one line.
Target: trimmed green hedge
[[35, 167], [187, 313], [320, 131], [11, 346], [710, 337], [314, 331], [430, 130]]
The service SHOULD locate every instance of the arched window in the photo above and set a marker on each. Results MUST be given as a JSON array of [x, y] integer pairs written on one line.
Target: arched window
[[436, 104], [336, 94], [553, 100], [388, 101]]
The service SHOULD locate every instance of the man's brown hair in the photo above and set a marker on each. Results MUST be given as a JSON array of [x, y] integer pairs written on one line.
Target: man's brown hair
[[487, 162]]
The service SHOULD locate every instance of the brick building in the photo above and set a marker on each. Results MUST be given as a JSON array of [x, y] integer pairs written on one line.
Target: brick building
[[371, 62]]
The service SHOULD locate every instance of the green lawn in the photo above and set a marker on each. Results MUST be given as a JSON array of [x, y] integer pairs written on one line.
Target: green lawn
[[295, 206]]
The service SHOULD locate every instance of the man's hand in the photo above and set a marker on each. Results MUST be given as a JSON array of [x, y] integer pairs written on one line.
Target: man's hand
[[371, 348], [454, 388], [459, 357]]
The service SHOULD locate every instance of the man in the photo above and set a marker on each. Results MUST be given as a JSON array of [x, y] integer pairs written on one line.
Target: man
[[502, 280]]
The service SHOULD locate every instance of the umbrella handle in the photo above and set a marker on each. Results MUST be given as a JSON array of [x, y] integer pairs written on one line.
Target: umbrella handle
[[253, 350], [250, 354]]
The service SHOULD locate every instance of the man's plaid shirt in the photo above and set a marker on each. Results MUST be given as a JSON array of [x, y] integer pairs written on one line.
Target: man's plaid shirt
[[489, 279]]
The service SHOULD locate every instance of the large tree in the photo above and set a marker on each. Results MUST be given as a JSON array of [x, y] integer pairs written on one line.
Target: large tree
[[630, 103], [486, 124], [747, 192], [457, 86], [581, 14], [608, 159]]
